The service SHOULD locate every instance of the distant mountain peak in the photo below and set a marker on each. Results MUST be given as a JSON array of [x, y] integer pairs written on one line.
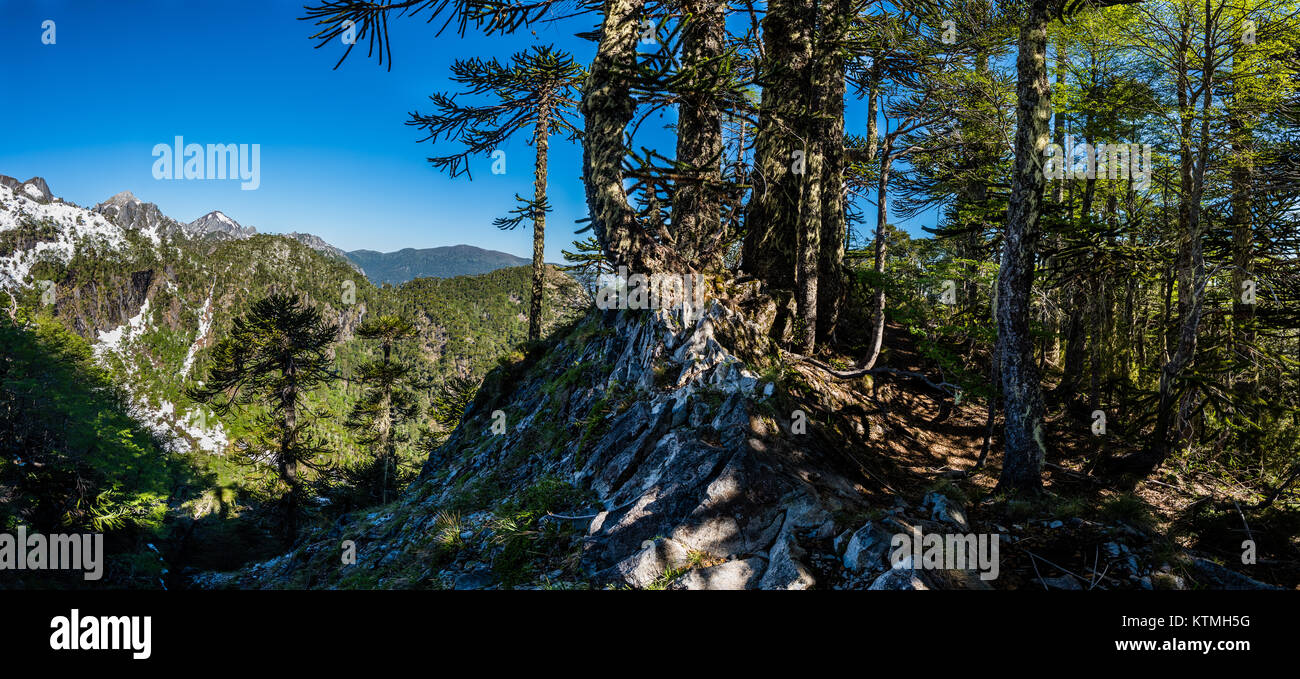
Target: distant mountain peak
[[217, 223], [129, 212], [319, 245], [221, 217], [122, 198]]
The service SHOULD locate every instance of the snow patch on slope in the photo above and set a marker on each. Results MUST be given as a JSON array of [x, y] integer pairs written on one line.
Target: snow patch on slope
[[116, 339], [72, 226], [63, 228], [162, 420], [205, 324]]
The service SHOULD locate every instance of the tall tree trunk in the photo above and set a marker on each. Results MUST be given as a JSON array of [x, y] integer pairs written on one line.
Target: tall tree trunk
[[1058, 121], [972, 197], [697, 208], [542, 140], [831, 289], [873, 110], [1078, 337], [1243, 246], [1190, 270], [810, 231], [1064, 297], [289, 452], [1245, 383], [1024, 439], [772, 223], [386, 443], [607, 107], [882, 239]]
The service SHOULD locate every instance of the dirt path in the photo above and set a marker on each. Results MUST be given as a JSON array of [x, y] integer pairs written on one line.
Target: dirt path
[[935, 436]]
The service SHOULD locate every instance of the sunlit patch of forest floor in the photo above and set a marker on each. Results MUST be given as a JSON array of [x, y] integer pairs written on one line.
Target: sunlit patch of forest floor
[[1086, 531]]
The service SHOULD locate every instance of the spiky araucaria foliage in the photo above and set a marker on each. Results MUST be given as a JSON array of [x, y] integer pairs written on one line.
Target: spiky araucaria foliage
[[534, 89], [449, 403], [274, 354], [386, 405]]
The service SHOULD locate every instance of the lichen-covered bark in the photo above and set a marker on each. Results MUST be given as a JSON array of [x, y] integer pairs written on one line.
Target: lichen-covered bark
[[830, 287], [873, 110], [795, 225], [1024, 439], [539, 224], [607, 107], [772, 222], [697, 216], [810, 231]]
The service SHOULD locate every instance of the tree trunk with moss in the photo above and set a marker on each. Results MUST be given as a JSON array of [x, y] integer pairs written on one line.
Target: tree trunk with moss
[[539, 224], [1024, 440], [697, 205], [607, 107], [780, 144]]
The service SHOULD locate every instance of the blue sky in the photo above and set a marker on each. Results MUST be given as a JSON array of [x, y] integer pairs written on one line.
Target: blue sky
[[336, 158]]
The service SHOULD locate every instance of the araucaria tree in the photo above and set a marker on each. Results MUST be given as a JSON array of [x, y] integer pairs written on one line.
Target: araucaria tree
[[533, 92], [387, 403], [272, 357], [1133, 189]]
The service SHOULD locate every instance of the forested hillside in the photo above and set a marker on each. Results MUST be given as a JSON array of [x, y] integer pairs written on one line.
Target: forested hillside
[[445, 262], [1014, 283], [100, 431]]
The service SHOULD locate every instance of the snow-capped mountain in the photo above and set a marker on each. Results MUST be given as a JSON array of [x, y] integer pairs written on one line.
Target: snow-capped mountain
[[129, 212], [217, 224], [34, 226], [150, 295], [131, 310], [34, 188]]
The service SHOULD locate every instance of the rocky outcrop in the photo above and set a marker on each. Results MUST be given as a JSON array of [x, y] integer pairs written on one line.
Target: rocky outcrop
[[129, 212], [692, 474], [33, 189], [319, 245]]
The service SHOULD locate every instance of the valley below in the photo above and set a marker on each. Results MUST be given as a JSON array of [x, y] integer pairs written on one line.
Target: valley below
[[120, 306]]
